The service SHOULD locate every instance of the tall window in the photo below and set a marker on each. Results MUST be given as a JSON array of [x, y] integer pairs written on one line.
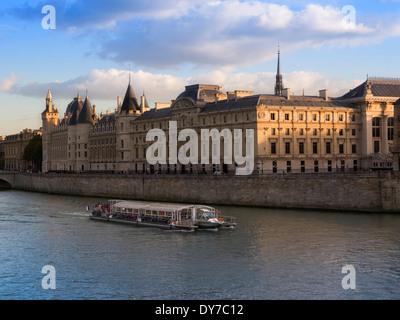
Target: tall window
[[273, 147], [315, 147], [301, 147], [287, 147], [376, 127], [341, 148], [390, 125], [328, 148]]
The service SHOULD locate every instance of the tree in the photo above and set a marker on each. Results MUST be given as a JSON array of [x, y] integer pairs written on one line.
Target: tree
[[33, 153]]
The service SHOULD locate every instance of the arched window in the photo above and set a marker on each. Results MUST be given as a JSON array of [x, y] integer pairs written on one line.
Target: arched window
[[376, 127]]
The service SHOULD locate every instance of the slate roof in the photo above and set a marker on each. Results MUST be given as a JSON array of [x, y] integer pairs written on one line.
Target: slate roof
[[379, 88], [224, 105], [86, 115], [76, 103], [75, 108], [204, 92], [155, 114], [107, 118], [271, 100], [130, 102], [302, 101]]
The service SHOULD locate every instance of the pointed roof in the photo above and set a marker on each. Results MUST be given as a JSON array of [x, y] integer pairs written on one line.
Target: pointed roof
[[49, 97], [130, 102], [279, 82], [74, 109], [146, 105], [279, 62], [86, 114]]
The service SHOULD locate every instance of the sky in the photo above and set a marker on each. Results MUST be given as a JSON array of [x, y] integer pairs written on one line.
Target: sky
[[94, 46]]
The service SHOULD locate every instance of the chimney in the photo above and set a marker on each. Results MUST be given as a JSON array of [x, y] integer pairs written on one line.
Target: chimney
[[286, 93], [230, 95], [118, 102], [108, 112], [94, 109], [323, 94]]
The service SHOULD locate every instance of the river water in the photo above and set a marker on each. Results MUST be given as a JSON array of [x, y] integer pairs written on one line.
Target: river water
[[272, 254]]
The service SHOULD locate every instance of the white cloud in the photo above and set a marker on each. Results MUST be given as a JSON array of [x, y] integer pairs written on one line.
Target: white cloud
[[231, 33], [218, 33], [106, 85], [9, 83]]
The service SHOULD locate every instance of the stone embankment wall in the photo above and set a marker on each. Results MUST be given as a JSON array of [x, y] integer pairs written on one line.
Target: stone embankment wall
[[370, 192]]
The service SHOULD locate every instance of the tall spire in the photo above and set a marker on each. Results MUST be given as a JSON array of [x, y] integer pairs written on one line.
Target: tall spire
[[49, 102], [49, 97], [279, 82]]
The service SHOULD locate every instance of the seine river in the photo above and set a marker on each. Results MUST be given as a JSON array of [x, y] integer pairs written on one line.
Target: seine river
[[272, 254]]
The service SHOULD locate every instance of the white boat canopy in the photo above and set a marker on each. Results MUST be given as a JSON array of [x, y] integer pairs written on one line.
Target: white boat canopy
[[156, 206]]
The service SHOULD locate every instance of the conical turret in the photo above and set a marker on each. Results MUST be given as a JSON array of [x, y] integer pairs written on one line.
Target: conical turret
[[86, 114], [130, 103]]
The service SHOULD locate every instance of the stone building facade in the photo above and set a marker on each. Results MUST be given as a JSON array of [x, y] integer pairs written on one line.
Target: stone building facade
[[292, 133], [13, 147]]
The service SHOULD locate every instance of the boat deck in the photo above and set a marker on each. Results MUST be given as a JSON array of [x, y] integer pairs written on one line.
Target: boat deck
[[161, 215]]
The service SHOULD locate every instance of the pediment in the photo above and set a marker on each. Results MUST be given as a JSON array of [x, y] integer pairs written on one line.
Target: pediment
[[183, 103]]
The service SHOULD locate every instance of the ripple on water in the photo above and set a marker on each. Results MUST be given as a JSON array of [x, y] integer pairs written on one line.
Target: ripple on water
[[272, 254]]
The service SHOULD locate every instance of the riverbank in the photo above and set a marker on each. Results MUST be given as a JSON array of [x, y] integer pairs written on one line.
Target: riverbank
[[367, 191]]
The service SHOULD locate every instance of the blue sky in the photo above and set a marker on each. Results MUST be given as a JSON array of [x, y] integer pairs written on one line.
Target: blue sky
[[167, 44]]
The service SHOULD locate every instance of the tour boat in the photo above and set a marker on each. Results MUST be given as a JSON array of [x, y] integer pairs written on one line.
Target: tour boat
[[209, 218], [174, 216]]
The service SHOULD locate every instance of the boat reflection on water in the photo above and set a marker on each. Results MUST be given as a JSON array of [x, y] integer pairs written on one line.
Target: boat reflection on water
[[162, 215]]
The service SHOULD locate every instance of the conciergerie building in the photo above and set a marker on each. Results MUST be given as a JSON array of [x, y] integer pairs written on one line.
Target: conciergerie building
[[292, 133]]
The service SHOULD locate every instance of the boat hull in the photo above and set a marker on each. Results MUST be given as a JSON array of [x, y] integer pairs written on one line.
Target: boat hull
[[144, 224], [207, 224]]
